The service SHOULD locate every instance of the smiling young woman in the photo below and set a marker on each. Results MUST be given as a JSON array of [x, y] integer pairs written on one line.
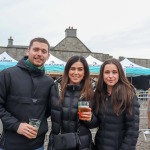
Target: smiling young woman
[[116, 109], [75, 85]]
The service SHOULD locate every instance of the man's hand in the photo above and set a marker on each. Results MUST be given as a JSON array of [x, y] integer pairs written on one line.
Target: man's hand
[[27, 130]]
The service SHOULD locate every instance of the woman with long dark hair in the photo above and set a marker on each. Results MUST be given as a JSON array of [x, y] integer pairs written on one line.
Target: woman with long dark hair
[[74, 85], [116, 109]]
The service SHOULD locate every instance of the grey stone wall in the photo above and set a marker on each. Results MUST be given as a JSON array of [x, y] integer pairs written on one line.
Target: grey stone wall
[[14, 52], [18, 53], [69, 46]]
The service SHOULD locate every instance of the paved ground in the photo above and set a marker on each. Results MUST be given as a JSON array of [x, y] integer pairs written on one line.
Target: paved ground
[[142, 144]]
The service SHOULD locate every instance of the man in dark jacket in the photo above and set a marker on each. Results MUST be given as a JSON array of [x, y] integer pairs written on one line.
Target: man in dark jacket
[[25, 93]]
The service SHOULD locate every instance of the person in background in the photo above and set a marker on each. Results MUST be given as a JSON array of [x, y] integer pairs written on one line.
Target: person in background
[[25, 93], [148, 108], [74, 85], [116, 109]]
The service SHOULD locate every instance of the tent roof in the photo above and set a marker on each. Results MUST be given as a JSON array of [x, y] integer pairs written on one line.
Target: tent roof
[[4, 57], [54, 61], [126, 63], [133, 70], [93, 61]]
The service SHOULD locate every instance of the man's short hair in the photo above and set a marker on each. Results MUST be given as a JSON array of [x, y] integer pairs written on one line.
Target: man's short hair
[[39, 39]]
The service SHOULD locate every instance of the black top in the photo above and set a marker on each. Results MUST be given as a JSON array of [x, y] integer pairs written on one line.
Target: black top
[[69, 116], [24, 94]]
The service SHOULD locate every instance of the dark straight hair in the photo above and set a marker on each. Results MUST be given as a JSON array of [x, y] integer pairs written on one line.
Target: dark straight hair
[[86, 82]]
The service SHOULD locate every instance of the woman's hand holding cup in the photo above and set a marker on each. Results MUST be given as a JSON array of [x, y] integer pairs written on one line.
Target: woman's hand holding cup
[[84, 111], [85, 115]]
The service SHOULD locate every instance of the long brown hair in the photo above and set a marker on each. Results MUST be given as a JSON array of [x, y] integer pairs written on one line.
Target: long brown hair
[[122, 93], [87, 90]]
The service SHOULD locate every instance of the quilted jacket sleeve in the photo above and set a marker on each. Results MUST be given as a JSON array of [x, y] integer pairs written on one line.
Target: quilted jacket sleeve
[[132, 127], [55, 114], [9, 121], [55, 110]]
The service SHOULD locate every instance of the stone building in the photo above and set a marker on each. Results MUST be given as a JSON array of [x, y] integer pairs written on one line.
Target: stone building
[[69, 46]]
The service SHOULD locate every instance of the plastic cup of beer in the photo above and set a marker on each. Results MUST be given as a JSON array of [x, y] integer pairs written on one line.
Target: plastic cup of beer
[[35, 123], [83, 107]]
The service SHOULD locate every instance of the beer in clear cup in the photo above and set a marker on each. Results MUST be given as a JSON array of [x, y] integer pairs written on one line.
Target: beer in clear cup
[[83, 107]]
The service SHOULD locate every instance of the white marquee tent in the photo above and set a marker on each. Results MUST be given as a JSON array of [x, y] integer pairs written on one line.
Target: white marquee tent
[[53, 61], [93, 61], [54, 64], [139, 75], [6, 61], [133, 70], [4, 57], [126, 63]]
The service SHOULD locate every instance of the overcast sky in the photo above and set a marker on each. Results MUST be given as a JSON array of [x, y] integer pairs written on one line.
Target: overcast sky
[[115, 27]]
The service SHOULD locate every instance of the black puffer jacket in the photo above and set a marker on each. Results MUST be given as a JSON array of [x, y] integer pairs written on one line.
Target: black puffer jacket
[[117, 132], [69, 116], [24, 94]]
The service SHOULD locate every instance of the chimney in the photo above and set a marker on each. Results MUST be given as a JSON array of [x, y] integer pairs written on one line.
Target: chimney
[[10, 41], [70, 32]]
